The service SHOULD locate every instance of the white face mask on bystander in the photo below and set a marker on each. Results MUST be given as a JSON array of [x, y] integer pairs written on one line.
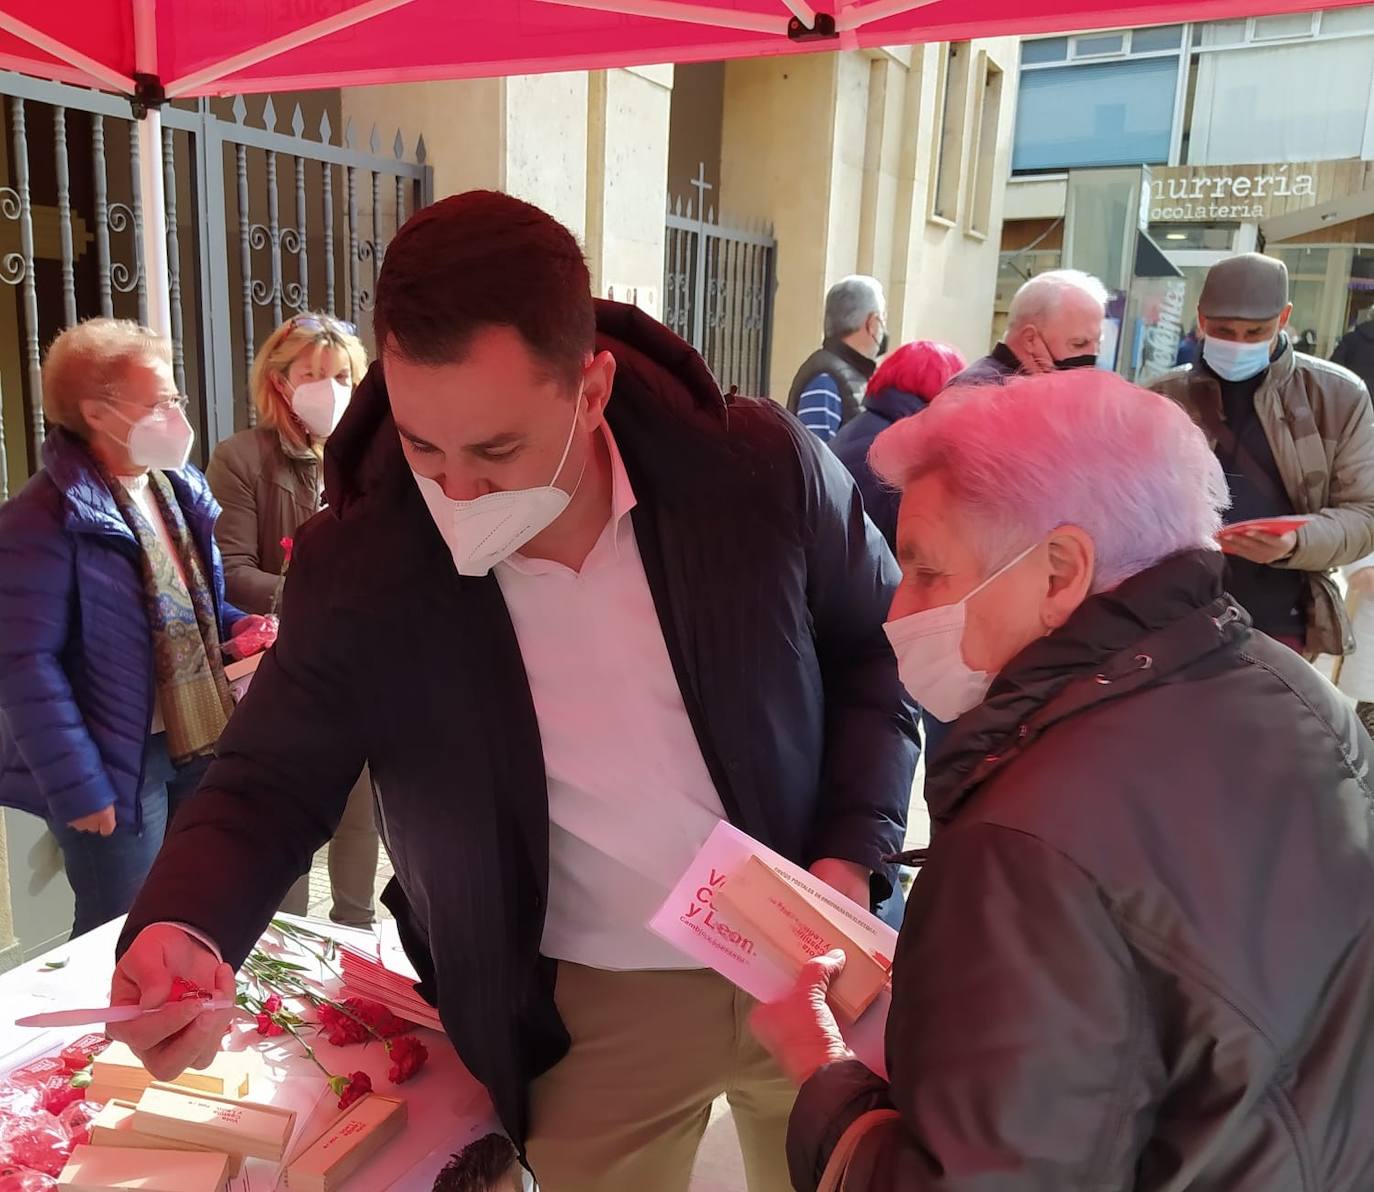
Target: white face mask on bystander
[[320, 405], [160, 439], [930, 654]]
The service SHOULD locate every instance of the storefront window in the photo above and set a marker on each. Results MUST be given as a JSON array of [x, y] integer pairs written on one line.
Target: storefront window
[[1330, 285], [1207, 237]]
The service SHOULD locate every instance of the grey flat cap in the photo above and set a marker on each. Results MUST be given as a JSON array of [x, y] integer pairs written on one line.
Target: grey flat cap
[[1250, 286]]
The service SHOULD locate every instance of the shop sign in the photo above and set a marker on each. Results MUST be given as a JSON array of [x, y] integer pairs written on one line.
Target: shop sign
[[1204, 194]]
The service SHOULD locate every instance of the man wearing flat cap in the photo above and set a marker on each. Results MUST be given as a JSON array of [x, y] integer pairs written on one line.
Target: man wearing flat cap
[[1295, 436]]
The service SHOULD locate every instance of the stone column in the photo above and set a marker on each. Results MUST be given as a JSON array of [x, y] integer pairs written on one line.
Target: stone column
[[627, 182]]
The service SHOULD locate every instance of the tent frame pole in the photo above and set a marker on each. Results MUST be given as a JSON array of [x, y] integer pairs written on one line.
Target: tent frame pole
[[98, 71], [850, 18], [198, 81], [688, 13], [148, 109]]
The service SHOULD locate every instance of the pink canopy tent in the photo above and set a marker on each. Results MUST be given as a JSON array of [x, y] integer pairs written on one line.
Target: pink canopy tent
[[154, 50]]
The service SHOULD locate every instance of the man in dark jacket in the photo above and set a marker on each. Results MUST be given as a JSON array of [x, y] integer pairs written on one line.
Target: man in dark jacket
[[1356, 349], [1295, 436], [1055, 322], [1139, 954], [573, 608], [829, 386]]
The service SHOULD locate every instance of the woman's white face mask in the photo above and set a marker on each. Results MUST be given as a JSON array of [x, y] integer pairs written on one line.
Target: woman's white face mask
[[930, 654], [161, 438], [320, 405]]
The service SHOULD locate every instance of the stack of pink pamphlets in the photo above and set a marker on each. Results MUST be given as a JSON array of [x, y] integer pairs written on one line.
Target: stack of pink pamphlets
[[388, 977]]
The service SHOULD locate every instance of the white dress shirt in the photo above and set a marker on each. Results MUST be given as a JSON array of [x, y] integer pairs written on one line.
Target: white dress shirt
[[630, 797]]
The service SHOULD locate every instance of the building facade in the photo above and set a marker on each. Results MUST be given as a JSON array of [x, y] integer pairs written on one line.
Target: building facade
[[1253, 134]]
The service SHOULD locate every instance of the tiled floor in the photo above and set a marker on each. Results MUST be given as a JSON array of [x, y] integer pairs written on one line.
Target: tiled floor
[[719, 1165]]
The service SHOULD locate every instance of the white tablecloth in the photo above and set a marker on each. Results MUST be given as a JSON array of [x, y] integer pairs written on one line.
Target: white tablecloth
[[446, 1107]]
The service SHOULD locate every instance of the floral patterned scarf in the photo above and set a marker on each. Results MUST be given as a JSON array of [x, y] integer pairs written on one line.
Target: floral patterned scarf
[[187, 664]]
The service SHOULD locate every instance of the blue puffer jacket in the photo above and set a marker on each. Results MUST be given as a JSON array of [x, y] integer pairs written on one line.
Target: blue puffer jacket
[[880, 410], [76, 662]]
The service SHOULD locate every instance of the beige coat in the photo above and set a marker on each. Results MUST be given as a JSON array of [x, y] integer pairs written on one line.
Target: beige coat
[[267, 492], [1320, 425]]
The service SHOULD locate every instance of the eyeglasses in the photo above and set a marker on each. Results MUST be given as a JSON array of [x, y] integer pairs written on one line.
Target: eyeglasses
[[324, 324], [166, 406]]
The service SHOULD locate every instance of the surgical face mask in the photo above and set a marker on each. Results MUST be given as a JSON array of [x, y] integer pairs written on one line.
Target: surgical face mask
[[1087, 360], [320, 405], [160, 439], [930, 655], [485, 530], [1068, 363], [1233, 361]]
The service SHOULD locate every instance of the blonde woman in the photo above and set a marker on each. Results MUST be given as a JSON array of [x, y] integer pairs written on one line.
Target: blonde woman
[[269, 480]]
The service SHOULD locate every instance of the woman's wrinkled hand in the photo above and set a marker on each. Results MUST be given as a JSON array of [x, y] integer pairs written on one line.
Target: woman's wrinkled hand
[[800, 1030], [101, 823]]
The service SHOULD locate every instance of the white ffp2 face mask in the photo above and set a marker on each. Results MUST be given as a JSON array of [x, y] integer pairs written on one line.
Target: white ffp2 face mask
[[161, 439], [320, 405], [485, 530], [930, 655]]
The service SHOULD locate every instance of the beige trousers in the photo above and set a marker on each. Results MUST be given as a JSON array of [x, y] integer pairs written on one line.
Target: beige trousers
[[352, 863], [626, 1109]]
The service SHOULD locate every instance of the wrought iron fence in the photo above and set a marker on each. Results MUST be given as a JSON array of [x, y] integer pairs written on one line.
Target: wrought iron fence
[[718, 285], [303, 226]]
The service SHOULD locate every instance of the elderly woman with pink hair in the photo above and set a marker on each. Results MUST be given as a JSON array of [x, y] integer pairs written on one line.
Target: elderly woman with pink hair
[[1138, 954]]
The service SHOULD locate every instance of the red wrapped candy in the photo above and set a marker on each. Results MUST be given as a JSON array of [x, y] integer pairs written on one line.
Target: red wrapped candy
[[76, 1121], [78, 1055], [16, 1179]]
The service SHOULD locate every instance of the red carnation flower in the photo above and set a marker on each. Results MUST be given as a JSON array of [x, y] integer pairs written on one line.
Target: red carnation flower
[[269, 1026], [377, 1017], [339, 1028], [287, 545], [272, 1004], [408, 1056], [351, 1088]]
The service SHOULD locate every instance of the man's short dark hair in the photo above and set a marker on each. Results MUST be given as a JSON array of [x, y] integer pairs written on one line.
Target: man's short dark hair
[[478, 260]]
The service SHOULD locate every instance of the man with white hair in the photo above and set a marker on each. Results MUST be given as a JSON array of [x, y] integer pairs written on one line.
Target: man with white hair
[[829, 387], [1055, 322], [1138, 952]]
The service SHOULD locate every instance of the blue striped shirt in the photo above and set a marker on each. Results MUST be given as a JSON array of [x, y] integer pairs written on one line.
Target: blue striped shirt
[[819, 407]]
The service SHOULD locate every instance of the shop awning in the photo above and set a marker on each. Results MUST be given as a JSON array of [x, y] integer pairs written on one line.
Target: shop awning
[[1150, 260], [212, 47]]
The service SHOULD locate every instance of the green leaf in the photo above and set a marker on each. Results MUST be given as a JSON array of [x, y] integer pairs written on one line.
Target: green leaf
[[82, 1079], [53, 965]]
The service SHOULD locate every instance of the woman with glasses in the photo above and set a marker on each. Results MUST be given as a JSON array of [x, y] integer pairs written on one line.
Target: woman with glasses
[[113, 619], [269, 480]]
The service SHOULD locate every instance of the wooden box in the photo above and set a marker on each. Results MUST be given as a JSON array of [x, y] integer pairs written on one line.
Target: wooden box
[[114, 1126], [113, 1169], [793, 928], [245, 1128], [118, 1074], [364, 1127]]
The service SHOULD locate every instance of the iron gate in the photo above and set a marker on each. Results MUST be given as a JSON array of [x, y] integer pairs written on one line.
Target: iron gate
[[261, 223], [718, 285]]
